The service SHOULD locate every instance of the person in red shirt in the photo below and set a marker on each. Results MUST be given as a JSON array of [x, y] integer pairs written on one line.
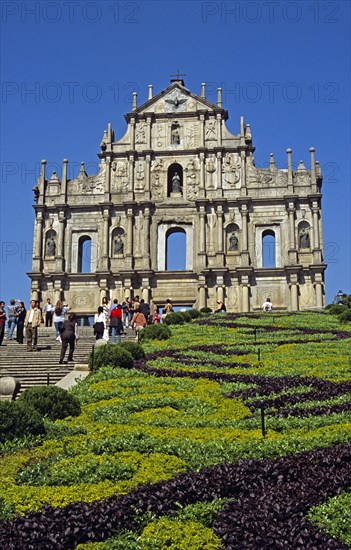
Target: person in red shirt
[[116, 324]]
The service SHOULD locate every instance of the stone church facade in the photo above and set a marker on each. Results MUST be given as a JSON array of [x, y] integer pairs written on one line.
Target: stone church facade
[[177, 168]]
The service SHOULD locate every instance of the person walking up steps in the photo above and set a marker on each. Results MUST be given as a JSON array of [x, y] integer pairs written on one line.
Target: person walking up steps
[[69, 337], [31, 323]]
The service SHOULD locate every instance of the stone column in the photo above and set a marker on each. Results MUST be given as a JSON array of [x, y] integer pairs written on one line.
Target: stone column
[[319, 295], [146, 233], [202, 296], [108, 178], [202, 174], [219, 228], [132, 133], [243, 173], [202, 130], [245, 304], [293, 297], [219, 170], [219, 130], [244, 214], [202, 244], [41, 183], [292, 239], [57, 291], [145, 293], [64, 181], [148, 132], [313, 171], [131, 173], [38, 239], [290, 176], [129, 242], [315, 212], [147, 173], [220, 294], [59, 264], [105, 239]]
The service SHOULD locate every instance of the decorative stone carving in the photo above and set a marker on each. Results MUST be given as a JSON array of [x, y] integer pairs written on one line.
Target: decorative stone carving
[[301, 176], [158, 179], [119, 176], [192, 182], [210, 169], [85, 184], [257, 176], [140, 134], [175, 102], [191, 136], [231, 169], [140, 175], [211, 130]]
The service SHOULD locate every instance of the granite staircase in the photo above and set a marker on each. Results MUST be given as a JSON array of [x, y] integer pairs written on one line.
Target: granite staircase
[[42, 367]]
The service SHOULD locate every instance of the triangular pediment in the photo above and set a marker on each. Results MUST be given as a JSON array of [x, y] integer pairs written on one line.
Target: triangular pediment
[[175, 99]]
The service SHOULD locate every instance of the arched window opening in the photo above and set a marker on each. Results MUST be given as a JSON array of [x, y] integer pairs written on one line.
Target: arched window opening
[[118, 242], [176, 250], [175, 179], [84, 255], [268, 249]]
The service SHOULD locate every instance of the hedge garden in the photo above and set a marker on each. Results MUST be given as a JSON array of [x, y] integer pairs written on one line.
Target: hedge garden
[[221, 432]]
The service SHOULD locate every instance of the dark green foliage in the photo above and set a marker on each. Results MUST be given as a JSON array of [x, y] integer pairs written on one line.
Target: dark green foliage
[[135, 349], [345, 317], [175, 318], [155, 332], [336, 309], [194, 313], [112, 355], [206, 310], [51, 401], [186, 316], [17, 419]]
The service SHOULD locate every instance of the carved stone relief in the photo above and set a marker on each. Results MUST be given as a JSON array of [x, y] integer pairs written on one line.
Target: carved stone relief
[[140, 134], [84, 184], [158, 179], [175, 102], [192, 179], [231, 169], [211, 130], [211, 169], [119, 176], [140, 175]]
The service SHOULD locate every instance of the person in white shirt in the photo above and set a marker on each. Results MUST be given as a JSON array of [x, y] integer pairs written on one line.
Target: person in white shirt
[[48, 310], [267, 306]]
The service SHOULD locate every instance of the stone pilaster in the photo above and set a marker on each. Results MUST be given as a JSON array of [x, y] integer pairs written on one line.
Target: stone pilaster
[[108, 179], [59, 264], [38, 239]]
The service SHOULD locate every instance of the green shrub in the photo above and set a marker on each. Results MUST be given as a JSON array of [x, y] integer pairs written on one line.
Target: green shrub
[[345, 317], [51, 401], [17, 420], [112, 355], [194, 313], [135, 349], [185, 314], [155, 332], [175, 318], [205, 310], [178, 535], [336, 309]]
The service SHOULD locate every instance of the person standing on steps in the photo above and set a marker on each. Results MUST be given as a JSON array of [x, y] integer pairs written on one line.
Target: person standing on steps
[[69, 337], [11, 315], [116, 324], [48, 310], [59, 317], [31, 323], [2, 321], [20, 316], [267, 306]]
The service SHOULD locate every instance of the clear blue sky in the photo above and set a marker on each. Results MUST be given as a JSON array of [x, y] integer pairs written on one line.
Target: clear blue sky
[[69, 68]]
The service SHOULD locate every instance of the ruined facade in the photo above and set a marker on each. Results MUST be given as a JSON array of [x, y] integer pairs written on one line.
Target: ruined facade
[[177, 168]]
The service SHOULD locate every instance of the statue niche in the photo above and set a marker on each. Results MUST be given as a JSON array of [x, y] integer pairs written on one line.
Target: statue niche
[[304, 236], [118, 242], [175, 180], [232, 238], [50, 245], [175, 134]]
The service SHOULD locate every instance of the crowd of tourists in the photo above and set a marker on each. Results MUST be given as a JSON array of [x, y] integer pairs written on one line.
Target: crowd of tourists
[[110, 321], [113, 318]]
